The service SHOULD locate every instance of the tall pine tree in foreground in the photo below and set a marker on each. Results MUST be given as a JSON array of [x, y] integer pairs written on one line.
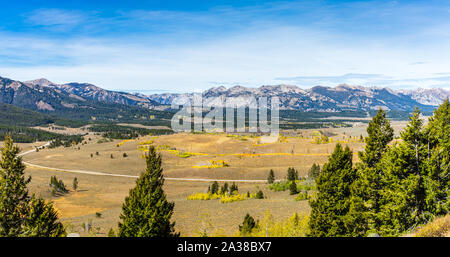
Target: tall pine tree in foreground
[[403, 199], [332, 202], [397, 187], [13, 190], [367, 188], [42, 220], [437, 183], [146, 211], [21, 215]]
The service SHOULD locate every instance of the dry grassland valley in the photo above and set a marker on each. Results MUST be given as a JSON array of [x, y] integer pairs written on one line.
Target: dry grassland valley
[[219, 184]]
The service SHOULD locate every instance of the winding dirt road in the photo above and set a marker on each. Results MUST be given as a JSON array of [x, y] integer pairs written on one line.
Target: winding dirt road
[[96, 173]]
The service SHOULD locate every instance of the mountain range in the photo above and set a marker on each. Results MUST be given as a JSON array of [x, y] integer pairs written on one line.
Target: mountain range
[[79, 101], [86, 91], [76, 98], [340, 98]]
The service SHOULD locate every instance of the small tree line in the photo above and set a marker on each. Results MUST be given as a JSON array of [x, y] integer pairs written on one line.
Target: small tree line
[[294, 183]]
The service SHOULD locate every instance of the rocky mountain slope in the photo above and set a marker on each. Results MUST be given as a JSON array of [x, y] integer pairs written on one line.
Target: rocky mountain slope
[[83, 91], [79, 101], [432, 96], [340, 98]]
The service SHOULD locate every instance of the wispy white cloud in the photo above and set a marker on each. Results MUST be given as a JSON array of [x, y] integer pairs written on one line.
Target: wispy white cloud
[[372, 80], [56, 19], [251, 59], [294, 43]]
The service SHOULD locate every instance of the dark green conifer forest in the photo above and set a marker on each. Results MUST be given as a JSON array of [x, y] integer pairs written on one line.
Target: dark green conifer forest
[[395, 187]]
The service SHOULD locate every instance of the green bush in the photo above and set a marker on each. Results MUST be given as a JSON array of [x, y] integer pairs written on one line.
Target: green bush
[[293, 188], [259, 195]]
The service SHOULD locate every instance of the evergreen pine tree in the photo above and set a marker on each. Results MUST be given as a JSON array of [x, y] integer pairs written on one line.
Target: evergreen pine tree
[[332, 202], [259, 195], [233, 188], [75, 184], [402, 203], [292, 174], [13, 190], [293, 188], [438, 161], [53, 181], [380, 134], [224, 189], [21, 215], [42, 220], [271, 177], [366, 190], [414, 138], [146, 211], [111, 233], [248, 225], [215, 187], [61, 187], [314, 171]]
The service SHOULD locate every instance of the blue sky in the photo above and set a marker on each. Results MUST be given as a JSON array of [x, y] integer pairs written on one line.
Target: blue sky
[[183, 46]]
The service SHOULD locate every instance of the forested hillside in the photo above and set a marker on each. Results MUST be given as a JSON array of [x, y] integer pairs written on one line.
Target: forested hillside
[[30, 135], [15, 116]]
